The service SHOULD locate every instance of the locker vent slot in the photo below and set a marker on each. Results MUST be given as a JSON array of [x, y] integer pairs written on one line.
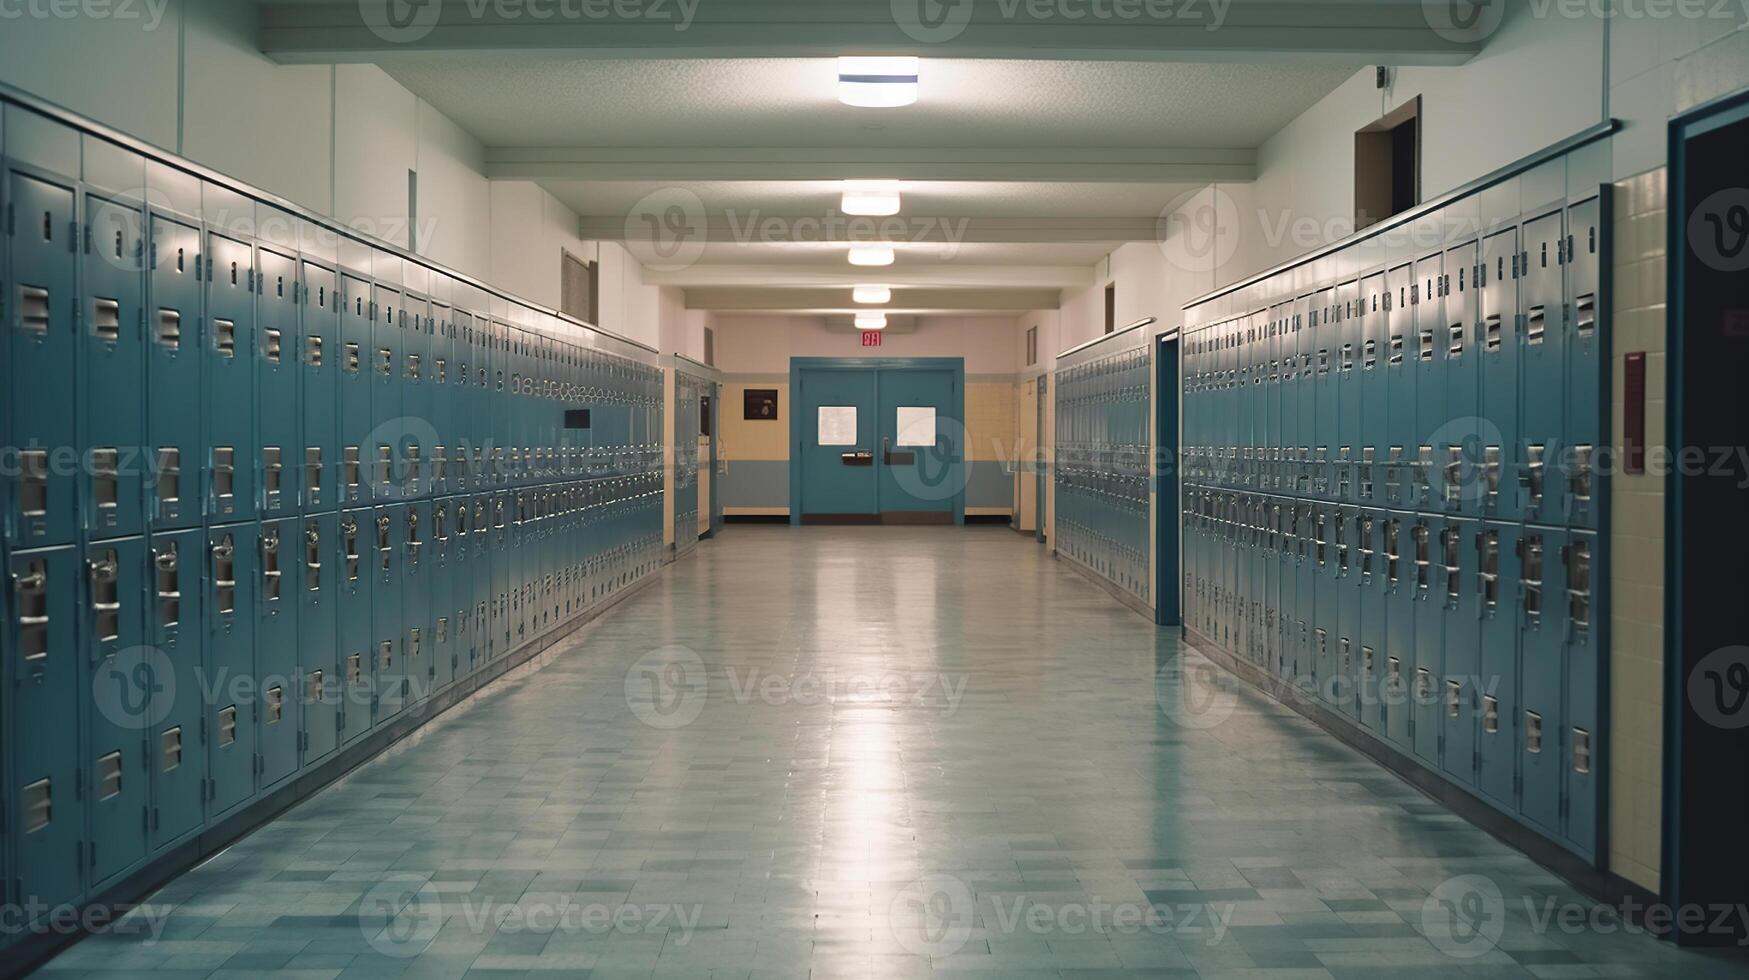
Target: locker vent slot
[[270, 572], [38, 806], [270, 345], [170, 749], [105, 597], [33, 309], [106, 319], [169, 476], [1454, 699], [312, 558], [224, 472], [354, 668], [313, 351], [317, 692], [31, 589], [108, 774], [1535, 325], [274, 697], [1491, 332], [1490, 714], [169, 587], [351, 357], [227, 726], [105, 477], [225, 337], [1533, 732], [1581, 751], [1585, 320], [169, 329], [33, 484]]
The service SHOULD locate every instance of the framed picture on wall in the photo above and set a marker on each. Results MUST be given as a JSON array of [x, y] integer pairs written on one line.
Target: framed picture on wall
[[760, 405]]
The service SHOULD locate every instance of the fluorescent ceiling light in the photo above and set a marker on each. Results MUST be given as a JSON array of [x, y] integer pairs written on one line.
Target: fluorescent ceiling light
[[871, 294], [873, 198], [877, 83], [871, 321], [871, 255]]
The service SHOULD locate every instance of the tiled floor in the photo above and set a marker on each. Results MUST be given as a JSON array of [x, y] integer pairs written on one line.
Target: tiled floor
[[873, 752]]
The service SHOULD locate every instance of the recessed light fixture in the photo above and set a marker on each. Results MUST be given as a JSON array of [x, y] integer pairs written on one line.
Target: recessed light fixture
[[871, 321], [871, 294], [871, 255], [872, 198], [877, 83]]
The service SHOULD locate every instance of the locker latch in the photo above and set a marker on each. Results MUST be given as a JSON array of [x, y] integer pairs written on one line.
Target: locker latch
[[1577, 557], [385, 547], [350, 470], [1535, 325], [1454, 698], [105, 477], [31, 591], [270, 573], [169, 588], [1491, 476], [1581, 477], [102, 572], [349, 539], [1533, 475], [224, 475], [1423, 559], [1490, 714], [106, 319], [1450, 543], [272, 474], [1454, 476], [1581, 751], [1488, 574], [169, 329], [413, 541], [33, 309], [33, 482], [1533, 732], [169, 476], [225, 575], [1585, 314], [1530, 555], [313, 474]]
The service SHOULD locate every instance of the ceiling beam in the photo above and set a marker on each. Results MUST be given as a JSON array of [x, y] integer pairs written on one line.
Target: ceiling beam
[[1393, 32], [753, 226], [1188, 165], [943, 276], [762, 299]]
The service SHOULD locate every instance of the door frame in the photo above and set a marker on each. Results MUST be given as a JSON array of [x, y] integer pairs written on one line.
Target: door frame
[[1168, 581], [797, 365]]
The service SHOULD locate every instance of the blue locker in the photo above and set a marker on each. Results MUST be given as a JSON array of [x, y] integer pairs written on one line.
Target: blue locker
[[1241, 578], [175, 418], [1325, 612], [229, 346], [483, 619], [1542, 373], [1461, 376], [357, 358], [482, 433], [1496, 665], [1438, 436], [322, 365], [443, 564], [1375, 394], [462, 398], [356, 561], [120, 672], [1397, 650], [1327, 339], [277, 383], [1460, 544], [41, 351], [1587, 361], [442, 385], [418, 428], [1501, 271], [385, 445], [177, 627], [1349, 438], [318, 583], [420, 579], [1425, 657], [1287, 663], [1369, 636], [499, 439], [1276, 408], [1583, 692], [48, 831], [277, 674], [503, 557], [231, 598], [389, 540], [1345, 637], [1404, 463], [112, 369], [1542, 696], [1306, 595], [1268, 576]]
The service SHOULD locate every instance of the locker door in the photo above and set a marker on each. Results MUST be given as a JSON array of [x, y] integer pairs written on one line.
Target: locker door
[[276, 649], [1587, 361], [388, 541], [481, 558], [49, 826], [417, 435], [1306, 594], [1542, 373], [357, 357], [1459, 556], [176, 421], [41, 351], [1349, 373], [1375, 406], [1396, 652], [120, 671], [276, 385], [420, 579], [1499, 372], [1461, 374], [318, 583], [1306, 405], [446, 619], [1542, 719], [1369, 637], [1327, 338], [1288, 577], [1325, 604], [355, 571], [322, 365], [461, 405], [384, 448], [112, 370], [1268, 577], [229, 348], [1497, 662], [1346, 637], [1584, 668], [1444, 435], [502, 570], [177, 627], [1404, 470], [232, 577], [442, 384], [1425, 661]]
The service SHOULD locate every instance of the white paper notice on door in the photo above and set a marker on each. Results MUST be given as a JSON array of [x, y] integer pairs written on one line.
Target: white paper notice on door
[[916, 425], [837, 425]]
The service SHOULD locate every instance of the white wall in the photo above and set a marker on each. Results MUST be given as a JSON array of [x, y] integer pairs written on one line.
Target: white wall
[[750, 344]]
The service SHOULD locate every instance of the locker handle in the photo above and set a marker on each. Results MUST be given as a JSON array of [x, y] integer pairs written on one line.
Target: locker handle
[[33, 309], [1585, 320]]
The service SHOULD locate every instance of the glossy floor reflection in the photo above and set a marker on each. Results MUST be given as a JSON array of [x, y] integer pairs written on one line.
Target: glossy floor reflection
[[873, 752]]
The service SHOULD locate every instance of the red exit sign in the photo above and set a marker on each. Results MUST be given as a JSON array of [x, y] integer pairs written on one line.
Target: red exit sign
[[871, 338]]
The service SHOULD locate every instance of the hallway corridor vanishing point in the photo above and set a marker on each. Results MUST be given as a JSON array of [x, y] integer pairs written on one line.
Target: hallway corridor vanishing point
[[872, 752]]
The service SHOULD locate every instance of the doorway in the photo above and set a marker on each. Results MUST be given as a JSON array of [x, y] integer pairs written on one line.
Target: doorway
[[877, 441], [1167, 583]]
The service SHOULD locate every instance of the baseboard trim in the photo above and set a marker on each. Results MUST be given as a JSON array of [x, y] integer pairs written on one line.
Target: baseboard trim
[[1091, 574]]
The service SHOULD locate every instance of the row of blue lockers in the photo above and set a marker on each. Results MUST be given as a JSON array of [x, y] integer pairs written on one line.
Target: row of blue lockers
[[1468, 645], [1466, 381], [1102, 467]]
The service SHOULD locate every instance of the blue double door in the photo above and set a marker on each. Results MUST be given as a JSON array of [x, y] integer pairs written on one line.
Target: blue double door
[[882, 443]]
